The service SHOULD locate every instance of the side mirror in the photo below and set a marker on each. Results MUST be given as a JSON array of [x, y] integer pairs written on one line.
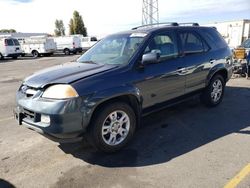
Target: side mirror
[[152, 57]]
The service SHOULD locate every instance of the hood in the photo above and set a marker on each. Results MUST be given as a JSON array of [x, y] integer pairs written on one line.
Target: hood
[[65, 73]]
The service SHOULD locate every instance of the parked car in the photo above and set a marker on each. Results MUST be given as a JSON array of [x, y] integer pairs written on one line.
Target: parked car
[[38, 45], [68, 44], [9, 47], [88, 42], [123, 77]]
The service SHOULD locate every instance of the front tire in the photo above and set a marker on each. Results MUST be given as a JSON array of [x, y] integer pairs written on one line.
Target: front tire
[[214, 92], [113, 127]]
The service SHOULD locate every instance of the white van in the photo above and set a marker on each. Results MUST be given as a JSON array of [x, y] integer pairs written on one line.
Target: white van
[[9, 47], [38, 45], [68, 44], [88, 42]]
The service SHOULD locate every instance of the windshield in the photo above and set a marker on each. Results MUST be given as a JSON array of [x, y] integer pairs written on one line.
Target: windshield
[[116, 49], [246, 43]]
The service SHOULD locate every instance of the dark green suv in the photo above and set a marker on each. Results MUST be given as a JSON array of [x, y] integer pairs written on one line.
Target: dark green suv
[[125, 76]]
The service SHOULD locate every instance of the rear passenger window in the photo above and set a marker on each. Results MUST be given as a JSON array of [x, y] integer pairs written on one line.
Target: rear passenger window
[[192, 43], [165, 44], [9, 42]]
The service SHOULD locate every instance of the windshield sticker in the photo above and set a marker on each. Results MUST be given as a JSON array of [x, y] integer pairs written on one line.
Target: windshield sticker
[[138, 35]]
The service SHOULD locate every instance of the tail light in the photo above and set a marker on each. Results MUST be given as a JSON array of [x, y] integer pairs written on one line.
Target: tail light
[[74, 45]]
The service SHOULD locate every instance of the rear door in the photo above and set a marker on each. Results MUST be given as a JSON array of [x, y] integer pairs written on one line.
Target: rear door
[[17, 46], [195, 59], [10, 46]]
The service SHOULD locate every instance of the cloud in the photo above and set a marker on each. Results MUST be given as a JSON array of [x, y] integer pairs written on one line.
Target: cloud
[[104, 17]]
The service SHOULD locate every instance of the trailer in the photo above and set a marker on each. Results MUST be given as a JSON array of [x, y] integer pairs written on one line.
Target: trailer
[[38, 45]]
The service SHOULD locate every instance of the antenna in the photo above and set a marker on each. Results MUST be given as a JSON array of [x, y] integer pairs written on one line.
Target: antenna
[[150, 12]]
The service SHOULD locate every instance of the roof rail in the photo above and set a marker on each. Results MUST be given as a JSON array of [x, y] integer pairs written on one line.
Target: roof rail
[[157, 24], [189, 23]]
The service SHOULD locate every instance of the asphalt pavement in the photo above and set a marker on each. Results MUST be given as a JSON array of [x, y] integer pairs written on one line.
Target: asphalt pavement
[[187, 145]]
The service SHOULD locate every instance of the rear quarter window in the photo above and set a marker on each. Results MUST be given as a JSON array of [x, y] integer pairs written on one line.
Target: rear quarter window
[[213, 37]]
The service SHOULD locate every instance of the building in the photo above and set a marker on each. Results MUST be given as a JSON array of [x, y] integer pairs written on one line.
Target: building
[[23, 35], [234, 32]]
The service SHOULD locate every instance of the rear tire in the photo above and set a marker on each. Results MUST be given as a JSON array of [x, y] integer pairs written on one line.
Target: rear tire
[[214, 92], [35, 54], [66, 51], [112, 127]]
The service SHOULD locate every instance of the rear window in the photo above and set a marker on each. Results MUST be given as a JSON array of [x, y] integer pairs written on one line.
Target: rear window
[[213, 37]]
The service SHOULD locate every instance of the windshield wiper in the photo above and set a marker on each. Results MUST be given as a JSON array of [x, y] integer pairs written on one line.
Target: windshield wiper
[[89, 62]]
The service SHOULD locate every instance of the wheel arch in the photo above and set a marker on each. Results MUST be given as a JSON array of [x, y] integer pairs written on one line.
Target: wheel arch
[[131, 99], [220, 71]]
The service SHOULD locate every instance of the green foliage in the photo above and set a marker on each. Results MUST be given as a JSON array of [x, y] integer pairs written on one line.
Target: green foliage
[[7, 31], [76, 25], [59, 28]]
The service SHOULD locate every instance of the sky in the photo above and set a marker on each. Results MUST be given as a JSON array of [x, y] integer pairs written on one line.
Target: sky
[[102, 17]]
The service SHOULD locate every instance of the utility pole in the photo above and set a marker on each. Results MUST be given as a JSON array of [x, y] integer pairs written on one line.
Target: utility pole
[[150, 12]]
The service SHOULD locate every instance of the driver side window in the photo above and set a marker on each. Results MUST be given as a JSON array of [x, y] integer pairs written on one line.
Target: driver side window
[[164, 44]]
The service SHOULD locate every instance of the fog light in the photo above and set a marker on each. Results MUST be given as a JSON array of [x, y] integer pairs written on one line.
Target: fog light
[[45, 119]]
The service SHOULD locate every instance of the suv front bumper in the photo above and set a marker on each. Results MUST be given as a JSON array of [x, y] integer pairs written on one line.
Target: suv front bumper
[[65, 118]]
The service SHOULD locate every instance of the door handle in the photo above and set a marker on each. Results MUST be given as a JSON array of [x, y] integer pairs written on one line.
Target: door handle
[[212, 61], [182, 70]]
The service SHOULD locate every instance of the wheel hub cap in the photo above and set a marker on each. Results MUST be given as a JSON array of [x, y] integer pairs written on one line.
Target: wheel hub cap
[[115, 128]]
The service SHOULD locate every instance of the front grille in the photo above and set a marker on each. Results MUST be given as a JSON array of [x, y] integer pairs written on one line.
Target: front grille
[[35, 117], [29, 114]]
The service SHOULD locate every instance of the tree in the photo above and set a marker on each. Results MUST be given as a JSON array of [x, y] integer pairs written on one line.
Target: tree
[[71, 27], [7, 31], [76, 25], [60, 29]]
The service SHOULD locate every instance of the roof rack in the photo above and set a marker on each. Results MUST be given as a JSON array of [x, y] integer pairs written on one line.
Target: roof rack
[[167, 24], [189, 23], [157, 24]]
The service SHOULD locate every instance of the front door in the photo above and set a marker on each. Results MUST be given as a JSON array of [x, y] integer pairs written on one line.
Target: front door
[[161, 81]]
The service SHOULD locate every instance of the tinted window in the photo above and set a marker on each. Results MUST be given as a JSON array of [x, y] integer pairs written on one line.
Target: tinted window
[[165, 44], [9, 42], [93, 39], [191, 43], [16, 42], [214, 38], [246, 43]]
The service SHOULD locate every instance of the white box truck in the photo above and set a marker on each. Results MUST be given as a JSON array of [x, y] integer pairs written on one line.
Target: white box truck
[[9, 47], [68, 44], [38, 45], [88, 42]]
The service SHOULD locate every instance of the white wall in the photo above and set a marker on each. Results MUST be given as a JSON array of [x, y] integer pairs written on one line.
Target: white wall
[[234, 32]]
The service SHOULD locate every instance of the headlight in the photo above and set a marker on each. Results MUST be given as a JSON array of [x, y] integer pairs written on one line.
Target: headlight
[[60, 91]]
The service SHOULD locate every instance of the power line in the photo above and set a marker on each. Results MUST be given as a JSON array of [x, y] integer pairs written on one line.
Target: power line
[[150, 12]]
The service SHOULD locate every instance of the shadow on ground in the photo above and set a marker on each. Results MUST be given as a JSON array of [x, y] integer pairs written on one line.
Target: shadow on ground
[[175, 131]]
